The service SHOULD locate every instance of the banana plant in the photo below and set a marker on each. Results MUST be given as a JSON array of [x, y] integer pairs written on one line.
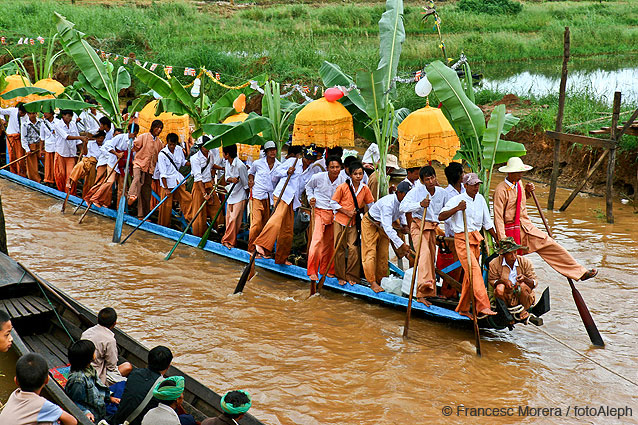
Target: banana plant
[[280, 113], [97, 78], [372, 105], [246, 132], [43, 68]]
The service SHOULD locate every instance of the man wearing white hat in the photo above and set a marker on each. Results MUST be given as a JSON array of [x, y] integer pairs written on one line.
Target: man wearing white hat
[[511, 219]]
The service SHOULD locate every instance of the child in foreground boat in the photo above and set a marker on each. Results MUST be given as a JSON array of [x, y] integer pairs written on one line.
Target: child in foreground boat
[[5, 332]]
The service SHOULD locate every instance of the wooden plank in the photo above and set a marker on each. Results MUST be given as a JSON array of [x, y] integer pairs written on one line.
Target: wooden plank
[[36, 346], [11, 309], [24, 312], [627, 126], [27, 305], [39, 303], [583, 140], [578, 188], [54, 346]]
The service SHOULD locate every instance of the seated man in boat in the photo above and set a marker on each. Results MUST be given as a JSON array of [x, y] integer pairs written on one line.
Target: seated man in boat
[[511, 219], [427, 197], [377, 233], [141, 383], [5, 332], [513, 279], [478, 216], [234, 405], [25, 405], [105, 362]]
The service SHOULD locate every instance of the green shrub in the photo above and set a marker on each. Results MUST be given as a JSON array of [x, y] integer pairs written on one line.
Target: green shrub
[[492, 7]]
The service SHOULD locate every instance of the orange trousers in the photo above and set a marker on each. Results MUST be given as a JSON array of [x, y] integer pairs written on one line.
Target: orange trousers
[[102, 194], [278, 229], [62, 168], [426, 279], [259, 215], [347, 264], [16, 151], [32, 163], [84, 169], [322, 244], [182, 196], [554, 255], [374, 251], [212, 206], [49, 159], [478, 285], [234, 215]]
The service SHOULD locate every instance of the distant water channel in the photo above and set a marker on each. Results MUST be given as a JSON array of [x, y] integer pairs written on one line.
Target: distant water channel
[[599, 76]]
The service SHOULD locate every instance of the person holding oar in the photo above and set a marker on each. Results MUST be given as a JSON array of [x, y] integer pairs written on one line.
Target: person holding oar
[[236, 176], [473, 205], [67, 139], [16, 115], [47, 137], [203, 164], [425, 196], [147, 147], [279, 228], [511, 219], [30, 133], [261, 181], [170, 160], [319, 191]]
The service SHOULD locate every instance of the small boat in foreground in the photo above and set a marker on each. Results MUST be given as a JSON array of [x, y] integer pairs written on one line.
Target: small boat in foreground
[[46, 321]]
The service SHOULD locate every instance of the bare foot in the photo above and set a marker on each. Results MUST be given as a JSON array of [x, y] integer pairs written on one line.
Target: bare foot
[[330, 275], [261, 251], [375, 287], [314, 277], [229, 246], [288, 263], [466, 314], [589, 274], [131, 200], [424, 301], [488, 312], [342, 282], [352, 282]]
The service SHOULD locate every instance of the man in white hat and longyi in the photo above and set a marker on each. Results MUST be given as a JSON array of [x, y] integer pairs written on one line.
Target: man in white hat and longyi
[[511, 219]]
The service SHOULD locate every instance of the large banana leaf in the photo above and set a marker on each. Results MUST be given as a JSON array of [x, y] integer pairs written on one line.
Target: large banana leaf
[[469, 87], [391, 38], [246, 132], [332, 75], [153, 81], [49, 105], [26, 91], [171, 105], [123, 79], [180, 93], [492, 136], [399, 115], [466, 118], [371, 87], [90, 65]]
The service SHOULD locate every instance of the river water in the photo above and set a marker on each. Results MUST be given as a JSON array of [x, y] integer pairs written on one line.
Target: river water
[[333, 359]]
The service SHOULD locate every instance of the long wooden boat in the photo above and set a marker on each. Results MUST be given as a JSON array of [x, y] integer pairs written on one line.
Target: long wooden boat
[[46, 321], [440, 310]]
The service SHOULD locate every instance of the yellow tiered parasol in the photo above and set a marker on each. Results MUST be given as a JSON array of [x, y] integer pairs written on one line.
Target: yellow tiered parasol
[[14, 82], [243, 151], [178, 124], [324, 123], [51, 85], [426, 135]]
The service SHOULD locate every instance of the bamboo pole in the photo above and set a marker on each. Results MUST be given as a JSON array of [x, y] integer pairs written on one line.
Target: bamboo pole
[[611, 164]]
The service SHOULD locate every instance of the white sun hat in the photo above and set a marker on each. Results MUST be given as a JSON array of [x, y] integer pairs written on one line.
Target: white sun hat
[[515, 165], [392, 161]]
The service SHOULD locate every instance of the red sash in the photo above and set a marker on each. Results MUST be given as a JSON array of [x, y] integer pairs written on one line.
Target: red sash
[[514, 229]]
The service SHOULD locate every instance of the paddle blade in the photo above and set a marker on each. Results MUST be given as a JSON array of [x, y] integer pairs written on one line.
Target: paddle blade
[[245, 274], [119, 221], [585, 316]]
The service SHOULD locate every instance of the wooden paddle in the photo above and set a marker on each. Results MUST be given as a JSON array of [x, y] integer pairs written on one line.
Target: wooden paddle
[[414, 273], [119, 221], [155, 208], [247, 270], [201, 208], [206, 235], [471, 289], [19, 159], [332, 259], [583, 311]]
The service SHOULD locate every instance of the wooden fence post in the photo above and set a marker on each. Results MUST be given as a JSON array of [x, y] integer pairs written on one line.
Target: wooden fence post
[[559, 121], [612, 159]]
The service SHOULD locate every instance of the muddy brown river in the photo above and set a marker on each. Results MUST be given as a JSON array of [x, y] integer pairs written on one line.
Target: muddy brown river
[[334, 359]]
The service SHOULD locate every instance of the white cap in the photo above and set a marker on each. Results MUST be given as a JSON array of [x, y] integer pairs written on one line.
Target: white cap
[[270, 145], [391, 161]]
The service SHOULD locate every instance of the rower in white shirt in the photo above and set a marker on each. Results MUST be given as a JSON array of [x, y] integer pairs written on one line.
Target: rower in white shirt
[[89, 121], [236, 176], [30, 139], [377, 232], [478, 216], [67, 139], [261, 181], [16, 115], [203, 165], [47, 135], [171, 158]]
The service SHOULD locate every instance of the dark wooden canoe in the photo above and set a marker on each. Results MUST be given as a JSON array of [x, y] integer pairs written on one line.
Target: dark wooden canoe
[[44, 320]]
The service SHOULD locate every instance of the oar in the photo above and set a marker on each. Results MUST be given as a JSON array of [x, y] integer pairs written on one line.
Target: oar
[[206, 235], [332, 259], [19, 159], [471, 288], [246, 273], [201, 208], [155, 208], [585, 316], [89, 204], [119, 221], [414, 273]]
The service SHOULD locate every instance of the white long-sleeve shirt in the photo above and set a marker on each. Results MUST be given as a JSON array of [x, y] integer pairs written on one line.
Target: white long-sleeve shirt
[[13, 126], [478, 216], [450, 192], [265, 179], [386, 211], [321, 188], [90, 122], [167, 170], [118, 143], [63, 146], [412, 202], [371, 155], [47, 134], [202, 166], [30, 133], [291, 192], [236, 169]]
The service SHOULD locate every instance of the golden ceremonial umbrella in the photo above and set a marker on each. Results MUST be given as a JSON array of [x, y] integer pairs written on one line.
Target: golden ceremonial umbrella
[[178, 124], [14, 82], [324, 123], [51, 85], [243, 151], [426, 135]]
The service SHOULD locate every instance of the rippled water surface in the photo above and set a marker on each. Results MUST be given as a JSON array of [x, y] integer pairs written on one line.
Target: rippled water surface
[[334, 359]]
